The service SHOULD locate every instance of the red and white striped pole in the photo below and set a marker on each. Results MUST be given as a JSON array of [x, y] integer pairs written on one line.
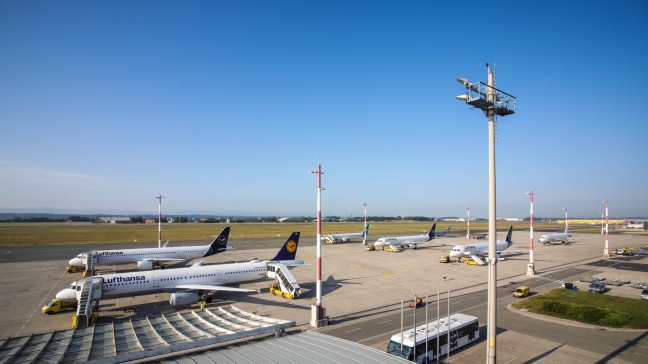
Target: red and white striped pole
[[160, 197], [606, 251], [318, 314], [531, 266]]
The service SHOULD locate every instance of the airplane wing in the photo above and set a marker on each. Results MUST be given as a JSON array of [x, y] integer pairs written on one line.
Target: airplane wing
[[208, 287]]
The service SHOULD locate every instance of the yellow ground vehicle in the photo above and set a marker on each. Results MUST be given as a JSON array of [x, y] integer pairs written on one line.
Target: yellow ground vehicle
[[57, 305], [74, 269], [470, 261], [444, 259], [522, 291], [276, 290]]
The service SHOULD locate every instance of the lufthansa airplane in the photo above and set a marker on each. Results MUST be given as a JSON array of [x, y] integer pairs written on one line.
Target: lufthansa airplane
[[481, 249], [148, 258], [343, 238], [188, 284], [556, 237], [405, 241]]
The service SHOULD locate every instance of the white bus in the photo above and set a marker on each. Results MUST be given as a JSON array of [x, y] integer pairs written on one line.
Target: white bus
[[464, 329]]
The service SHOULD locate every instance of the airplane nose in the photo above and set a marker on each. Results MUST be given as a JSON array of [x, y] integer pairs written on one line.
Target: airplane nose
[[66, 295], [75, 262]]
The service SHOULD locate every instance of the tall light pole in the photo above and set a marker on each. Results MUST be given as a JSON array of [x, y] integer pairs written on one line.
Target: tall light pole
[[364, 237], [318, 312], [468, 231], [606, 251], [492, 102], [531, 266], [159, 197], [601, 212]]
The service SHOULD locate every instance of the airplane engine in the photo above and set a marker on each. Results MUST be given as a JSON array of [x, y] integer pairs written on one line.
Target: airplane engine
[[183, 298], [144, 265], [412, 246]]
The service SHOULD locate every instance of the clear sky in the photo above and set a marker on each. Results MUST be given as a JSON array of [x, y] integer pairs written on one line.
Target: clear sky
[[224, 106]]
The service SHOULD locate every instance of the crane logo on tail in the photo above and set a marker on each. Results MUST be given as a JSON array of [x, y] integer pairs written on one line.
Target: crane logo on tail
[[291, 246]]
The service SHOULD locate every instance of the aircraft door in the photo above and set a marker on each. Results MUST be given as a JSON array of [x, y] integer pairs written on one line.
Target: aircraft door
[[97, 285], [156, 280]]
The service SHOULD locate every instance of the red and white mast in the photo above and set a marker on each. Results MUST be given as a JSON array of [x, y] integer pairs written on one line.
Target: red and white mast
[[606, 251], [531, 266], [159, 197], [318, 311]]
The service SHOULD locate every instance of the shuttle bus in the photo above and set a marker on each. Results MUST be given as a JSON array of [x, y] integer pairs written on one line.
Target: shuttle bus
[[463, 330]]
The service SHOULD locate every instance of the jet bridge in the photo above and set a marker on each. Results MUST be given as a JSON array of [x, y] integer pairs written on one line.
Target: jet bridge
[[285, 283]]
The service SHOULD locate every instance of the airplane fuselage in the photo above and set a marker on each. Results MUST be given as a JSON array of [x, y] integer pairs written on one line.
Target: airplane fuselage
[[398, 240], [481, 249], [158, 281], [127, 256], [334, 238], [558, 237]]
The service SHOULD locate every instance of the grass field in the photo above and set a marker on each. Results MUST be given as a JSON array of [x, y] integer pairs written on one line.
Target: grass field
[[21, 234], [638, 309]]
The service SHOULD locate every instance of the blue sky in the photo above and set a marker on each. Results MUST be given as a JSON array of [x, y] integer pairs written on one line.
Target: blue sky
[[224, 106]]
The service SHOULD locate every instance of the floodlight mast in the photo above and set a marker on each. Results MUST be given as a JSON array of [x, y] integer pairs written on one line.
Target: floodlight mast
[[492, 102], [531, 265], [318, 312]]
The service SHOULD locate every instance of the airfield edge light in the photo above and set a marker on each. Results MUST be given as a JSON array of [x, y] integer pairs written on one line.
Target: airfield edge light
[[492, 102]]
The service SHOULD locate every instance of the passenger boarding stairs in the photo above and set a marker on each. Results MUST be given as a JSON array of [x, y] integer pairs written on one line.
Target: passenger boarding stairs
[[90, 291], [89, 259], [477, 259], [285, 282]]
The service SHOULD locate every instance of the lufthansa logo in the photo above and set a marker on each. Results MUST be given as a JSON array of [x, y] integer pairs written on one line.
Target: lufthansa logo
[[291, 246]]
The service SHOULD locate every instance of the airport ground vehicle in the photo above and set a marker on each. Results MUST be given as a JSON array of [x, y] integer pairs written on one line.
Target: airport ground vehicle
[[597, 287], [74, 269], [470, 261], [644, 293], [522, 291], [625, 251], [444, 259], [442, 335], [57, 305]]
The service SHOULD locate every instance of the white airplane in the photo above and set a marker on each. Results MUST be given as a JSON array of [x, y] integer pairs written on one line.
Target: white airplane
[[556, 237], [343, 238], [148, 258], [405, 241], [189, 284], [442, 233], [481, 249]]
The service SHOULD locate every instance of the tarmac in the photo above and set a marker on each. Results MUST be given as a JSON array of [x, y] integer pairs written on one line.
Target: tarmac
[[356, 283]]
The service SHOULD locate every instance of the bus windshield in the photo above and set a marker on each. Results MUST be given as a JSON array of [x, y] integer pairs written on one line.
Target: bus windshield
[[394, 348]]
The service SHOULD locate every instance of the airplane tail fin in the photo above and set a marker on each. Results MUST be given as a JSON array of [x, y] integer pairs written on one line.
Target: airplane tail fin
[[432, 233], [365, 232], [289, 250], [220, 243], [509, 235]]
